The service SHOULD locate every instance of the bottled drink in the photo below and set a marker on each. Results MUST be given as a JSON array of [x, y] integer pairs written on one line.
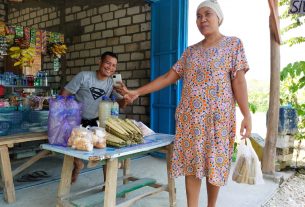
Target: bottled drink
[[11, 78], [38, 79], [45, 79], [115, 109], [104, 110], [24, 81]]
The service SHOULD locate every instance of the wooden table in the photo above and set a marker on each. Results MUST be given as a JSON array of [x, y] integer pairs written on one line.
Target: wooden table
[[111, 157], [5, 164]]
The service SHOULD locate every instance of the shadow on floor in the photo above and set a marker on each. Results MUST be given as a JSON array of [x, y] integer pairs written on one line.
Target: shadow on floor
[[51, 165]]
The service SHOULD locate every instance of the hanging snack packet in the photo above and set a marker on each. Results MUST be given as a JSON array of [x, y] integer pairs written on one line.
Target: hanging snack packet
[[33, 37]]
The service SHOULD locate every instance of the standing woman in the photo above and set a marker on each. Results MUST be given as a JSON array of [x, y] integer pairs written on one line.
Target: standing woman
[[213, 73]]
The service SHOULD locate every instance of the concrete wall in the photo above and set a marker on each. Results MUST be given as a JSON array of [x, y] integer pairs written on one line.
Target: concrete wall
[[90, 30]]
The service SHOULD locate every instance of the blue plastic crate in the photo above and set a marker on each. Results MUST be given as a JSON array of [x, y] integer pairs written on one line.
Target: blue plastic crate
[[8, 109], [16, 122]]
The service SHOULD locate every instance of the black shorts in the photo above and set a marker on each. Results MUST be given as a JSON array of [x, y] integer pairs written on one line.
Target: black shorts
[[89, 122]]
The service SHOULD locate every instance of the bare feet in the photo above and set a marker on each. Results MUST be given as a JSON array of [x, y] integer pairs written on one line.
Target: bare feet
[[78, 166]]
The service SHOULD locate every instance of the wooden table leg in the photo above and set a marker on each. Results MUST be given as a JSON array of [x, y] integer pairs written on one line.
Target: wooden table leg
[[171, 181], [6, 175], [65, 179], [126, 170], [111, 182], [28, 163]]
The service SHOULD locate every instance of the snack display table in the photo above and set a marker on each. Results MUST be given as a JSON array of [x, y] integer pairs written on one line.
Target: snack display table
[[111, 156], [5, 164]]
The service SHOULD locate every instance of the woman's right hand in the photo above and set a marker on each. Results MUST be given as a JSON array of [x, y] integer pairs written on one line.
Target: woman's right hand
[[130, 96]]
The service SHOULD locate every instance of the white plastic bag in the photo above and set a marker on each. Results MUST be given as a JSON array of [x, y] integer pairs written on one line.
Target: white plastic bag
[[146, 131], [99, 137], [81, 139], [248, 167]]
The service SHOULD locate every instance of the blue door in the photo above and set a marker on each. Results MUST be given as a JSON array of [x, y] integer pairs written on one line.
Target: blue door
[[168, 41]]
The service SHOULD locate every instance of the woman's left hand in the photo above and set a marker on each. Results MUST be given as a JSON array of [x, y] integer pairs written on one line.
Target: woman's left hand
[[246, 127]]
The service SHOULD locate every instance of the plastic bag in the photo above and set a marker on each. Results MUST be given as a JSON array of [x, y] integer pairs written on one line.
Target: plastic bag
[[81, 139], [146, 131], [82, 144], [57, 125], [248, 167], [64, 115], [98, 137]]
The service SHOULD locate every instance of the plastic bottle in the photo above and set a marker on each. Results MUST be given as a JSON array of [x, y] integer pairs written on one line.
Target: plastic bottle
[[115, 109], [20, 106], [104, 110], [40, 79], [36, 80], [45, 79]]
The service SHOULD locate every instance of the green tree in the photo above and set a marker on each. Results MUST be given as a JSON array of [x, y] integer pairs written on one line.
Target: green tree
[[293, 75], [296, 21]]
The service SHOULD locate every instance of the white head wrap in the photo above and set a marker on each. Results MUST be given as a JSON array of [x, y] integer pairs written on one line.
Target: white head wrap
[[213, 4]]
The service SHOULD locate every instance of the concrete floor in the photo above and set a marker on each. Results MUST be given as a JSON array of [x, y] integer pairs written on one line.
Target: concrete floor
[[232, 195]]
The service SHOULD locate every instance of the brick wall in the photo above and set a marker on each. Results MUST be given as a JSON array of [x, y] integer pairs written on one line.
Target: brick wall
[[2, 12], [90, 31]]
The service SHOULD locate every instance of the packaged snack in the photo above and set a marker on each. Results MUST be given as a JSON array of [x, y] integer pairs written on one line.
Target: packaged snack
[[81, 139], [82, 144], [98, 137], [248, 167]]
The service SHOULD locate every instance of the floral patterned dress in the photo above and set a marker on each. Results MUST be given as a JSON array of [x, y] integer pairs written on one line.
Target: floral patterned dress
[[205, 117]]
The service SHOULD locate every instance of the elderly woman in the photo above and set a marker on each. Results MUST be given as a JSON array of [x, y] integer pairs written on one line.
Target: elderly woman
[[213, 73]]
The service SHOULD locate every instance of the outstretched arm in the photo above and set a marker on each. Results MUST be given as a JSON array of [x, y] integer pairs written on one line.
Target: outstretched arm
[[239, 86], [161, 82]]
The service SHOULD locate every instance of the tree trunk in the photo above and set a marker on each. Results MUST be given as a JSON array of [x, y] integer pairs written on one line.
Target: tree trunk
[[268, 162]]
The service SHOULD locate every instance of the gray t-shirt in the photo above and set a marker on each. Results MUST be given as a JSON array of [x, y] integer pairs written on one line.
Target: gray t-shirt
[[89, 91]]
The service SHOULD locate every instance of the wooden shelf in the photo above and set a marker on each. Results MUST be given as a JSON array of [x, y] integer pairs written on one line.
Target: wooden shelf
[[35, 87], [25, 137]]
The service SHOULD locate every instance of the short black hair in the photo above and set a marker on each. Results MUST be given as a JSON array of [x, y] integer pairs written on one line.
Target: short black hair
[[108, 53]]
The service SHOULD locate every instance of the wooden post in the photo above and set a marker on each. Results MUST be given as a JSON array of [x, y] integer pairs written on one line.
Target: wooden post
[[6, 175], [65, 179], [111, 182], [126, 170], [268, 162], [170, 180]]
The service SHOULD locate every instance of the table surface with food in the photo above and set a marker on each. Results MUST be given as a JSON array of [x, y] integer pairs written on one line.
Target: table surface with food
[[150, 142]]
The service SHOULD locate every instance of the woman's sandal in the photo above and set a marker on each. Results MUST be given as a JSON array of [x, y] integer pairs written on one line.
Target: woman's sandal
[[28, 178], [40, 173]]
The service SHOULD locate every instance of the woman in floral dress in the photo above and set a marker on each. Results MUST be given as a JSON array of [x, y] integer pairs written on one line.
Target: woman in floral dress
[[213, 81]]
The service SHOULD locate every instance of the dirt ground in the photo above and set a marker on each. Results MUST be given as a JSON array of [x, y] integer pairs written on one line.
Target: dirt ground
[[291, 193]]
